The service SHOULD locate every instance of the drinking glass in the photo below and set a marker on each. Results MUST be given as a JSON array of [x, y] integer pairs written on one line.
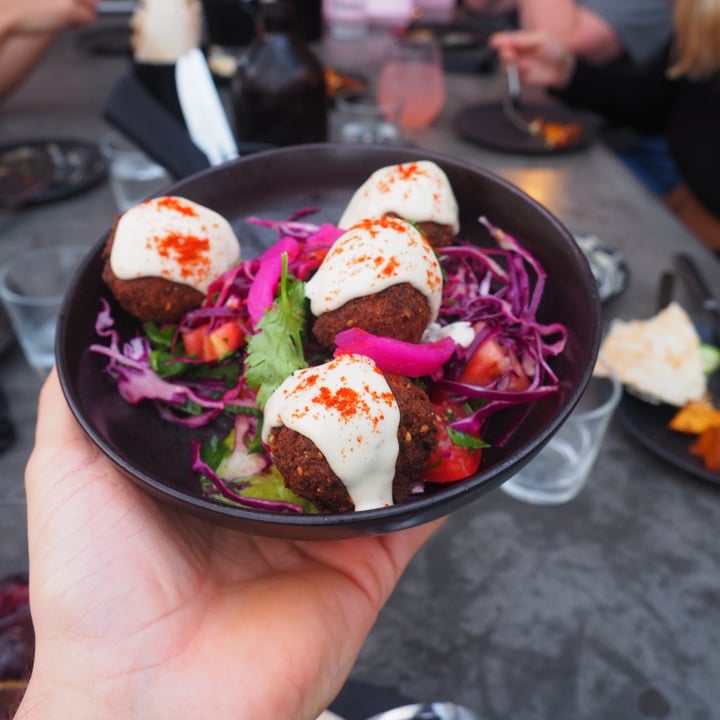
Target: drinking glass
[[32, 288], [133, 175], [560, 470], [362, 120], [412, 77]]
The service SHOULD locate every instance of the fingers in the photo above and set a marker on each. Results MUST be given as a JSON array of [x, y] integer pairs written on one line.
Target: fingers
[[56, 425], [60, 443], [511, 46]]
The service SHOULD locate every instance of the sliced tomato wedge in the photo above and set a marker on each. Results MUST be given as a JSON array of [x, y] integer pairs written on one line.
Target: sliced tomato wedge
[[450, 462], [489, 362]]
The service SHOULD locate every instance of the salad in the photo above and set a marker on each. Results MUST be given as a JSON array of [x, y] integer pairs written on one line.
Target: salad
[[484, 353]]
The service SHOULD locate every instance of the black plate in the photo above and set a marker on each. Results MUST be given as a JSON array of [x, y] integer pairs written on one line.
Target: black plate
[[51, 168], [648, 424], [487, 125], [157, 455]]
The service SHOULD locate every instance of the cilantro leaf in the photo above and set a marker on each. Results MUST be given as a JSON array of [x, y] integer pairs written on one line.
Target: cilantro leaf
[[466, 440], [276, 350]]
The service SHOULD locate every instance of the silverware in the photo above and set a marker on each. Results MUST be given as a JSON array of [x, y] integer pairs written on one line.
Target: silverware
[[690, 273], [666, 287], [511, 101], [428, 711], [202, 108]]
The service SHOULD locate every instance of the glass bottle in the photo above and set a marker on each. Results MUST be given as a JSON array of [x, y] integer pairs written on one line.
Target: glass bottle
[[279, 92]]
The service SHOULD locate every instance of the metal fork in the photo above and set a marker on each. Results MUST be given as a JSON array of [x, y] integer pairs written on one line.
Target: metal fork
[[511, 100]]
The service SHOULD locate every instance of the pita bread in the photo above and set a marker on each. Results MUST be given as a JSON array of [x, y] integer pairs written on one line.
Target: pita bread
[[163, 30], [658, 358]]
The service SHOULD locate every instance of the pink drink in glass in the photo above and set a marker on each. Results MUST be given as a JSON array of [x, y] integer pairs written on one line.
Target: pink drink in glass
[[412, 79]]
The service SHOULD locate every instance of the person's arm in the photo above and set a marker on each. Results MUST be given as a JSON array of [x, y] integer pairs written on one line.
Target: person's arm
[[637, 96], [19, 55], [579, 30], [27, 29], [141, 611]]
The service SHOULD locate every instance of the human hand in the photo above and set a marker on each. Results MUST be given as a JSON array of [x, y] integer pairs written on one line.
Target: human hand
[[142, 611], [541, 60], [46, 16]]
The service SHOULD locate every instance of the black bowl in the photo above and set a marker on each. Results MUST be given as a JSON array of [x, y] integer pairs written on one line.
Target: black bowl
[[156, 455]]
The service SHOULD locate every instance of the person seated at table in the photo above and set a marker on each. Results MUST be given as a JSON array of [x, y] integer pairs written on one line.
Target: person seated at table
[[676, 92], [28, 28], [142, 611], [603, 31], [598, 30]]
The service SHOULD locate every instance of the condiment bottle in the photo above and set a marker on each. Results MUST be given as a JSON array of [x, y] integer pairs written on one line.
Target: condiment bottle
[[162, 31], [279, 92]]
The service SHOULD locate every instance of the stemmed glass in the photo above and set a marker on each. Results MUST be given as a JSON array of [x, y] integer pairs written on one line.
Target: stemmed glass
[[412, 78]]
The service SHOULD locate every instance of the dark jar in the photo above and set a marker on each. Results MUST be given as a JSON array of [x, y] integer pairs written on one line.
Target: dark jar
[[279, 93]]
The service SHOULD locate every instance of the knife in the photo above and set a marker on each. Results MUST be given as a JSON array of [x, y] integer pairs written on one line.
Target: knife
[[689, 272], [202, 108]]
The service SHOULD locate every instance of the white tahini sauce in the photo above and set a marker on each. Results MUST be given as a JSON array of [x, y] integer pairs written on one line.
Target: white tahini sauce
[[461, 332], [418, 191], [173, 238], [347, 409], [370, 257]]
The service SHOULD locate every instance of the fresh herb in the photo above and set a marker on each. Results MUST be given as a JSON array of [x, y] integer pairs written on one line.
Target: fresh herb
[[466, 440], [276, 350]]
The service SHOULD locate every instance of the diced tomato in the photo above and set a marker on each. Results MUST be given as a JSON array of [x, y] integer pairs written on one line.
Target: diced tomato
[[450, 462], [222, 341], [193, 341], [489, 362], [209, 346]]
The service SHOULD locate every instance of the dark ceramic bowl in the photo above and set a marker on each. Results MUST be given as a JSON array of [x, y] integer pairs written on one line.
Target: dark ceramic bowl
[[157, 455]]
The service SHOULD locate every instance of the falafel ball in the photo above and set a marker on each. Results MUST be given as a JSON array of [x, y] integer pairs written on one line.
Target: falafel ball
[[163, 254], [400, 312], [308, 474], [418, 191], [382, 276]]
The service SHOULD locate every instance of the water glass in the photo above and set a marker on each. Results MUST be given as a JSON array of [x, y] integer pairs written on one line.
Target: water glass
[[362, 120], [133, 175], [412, 76], [560, 470], [32, 288]]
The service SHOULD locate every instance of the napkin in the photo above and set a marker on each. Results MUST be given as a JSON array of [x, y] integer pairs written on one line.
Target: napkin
[[138, 115]]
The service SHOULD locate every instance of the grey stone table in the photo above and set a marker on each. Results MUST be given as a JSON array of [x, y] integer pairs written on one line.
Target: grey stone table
[[607, 607]]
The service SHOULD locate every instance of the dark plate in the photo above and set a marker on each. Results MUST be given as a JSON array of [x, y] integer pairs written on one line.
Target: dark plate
[[55, 168], [156, 455], [648, 424], [487, 125]]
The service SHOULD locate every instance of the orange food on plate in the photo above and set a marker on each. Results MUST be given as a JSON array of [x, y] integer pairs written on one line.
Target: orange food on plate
[[700, 418], [556, 134], [695, 417], [707, 447]]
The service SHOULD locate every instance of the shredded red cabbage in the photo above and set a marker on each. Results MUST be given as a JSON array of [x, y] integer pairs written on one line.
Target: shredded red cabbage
[[200, 466], [495, 290]]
